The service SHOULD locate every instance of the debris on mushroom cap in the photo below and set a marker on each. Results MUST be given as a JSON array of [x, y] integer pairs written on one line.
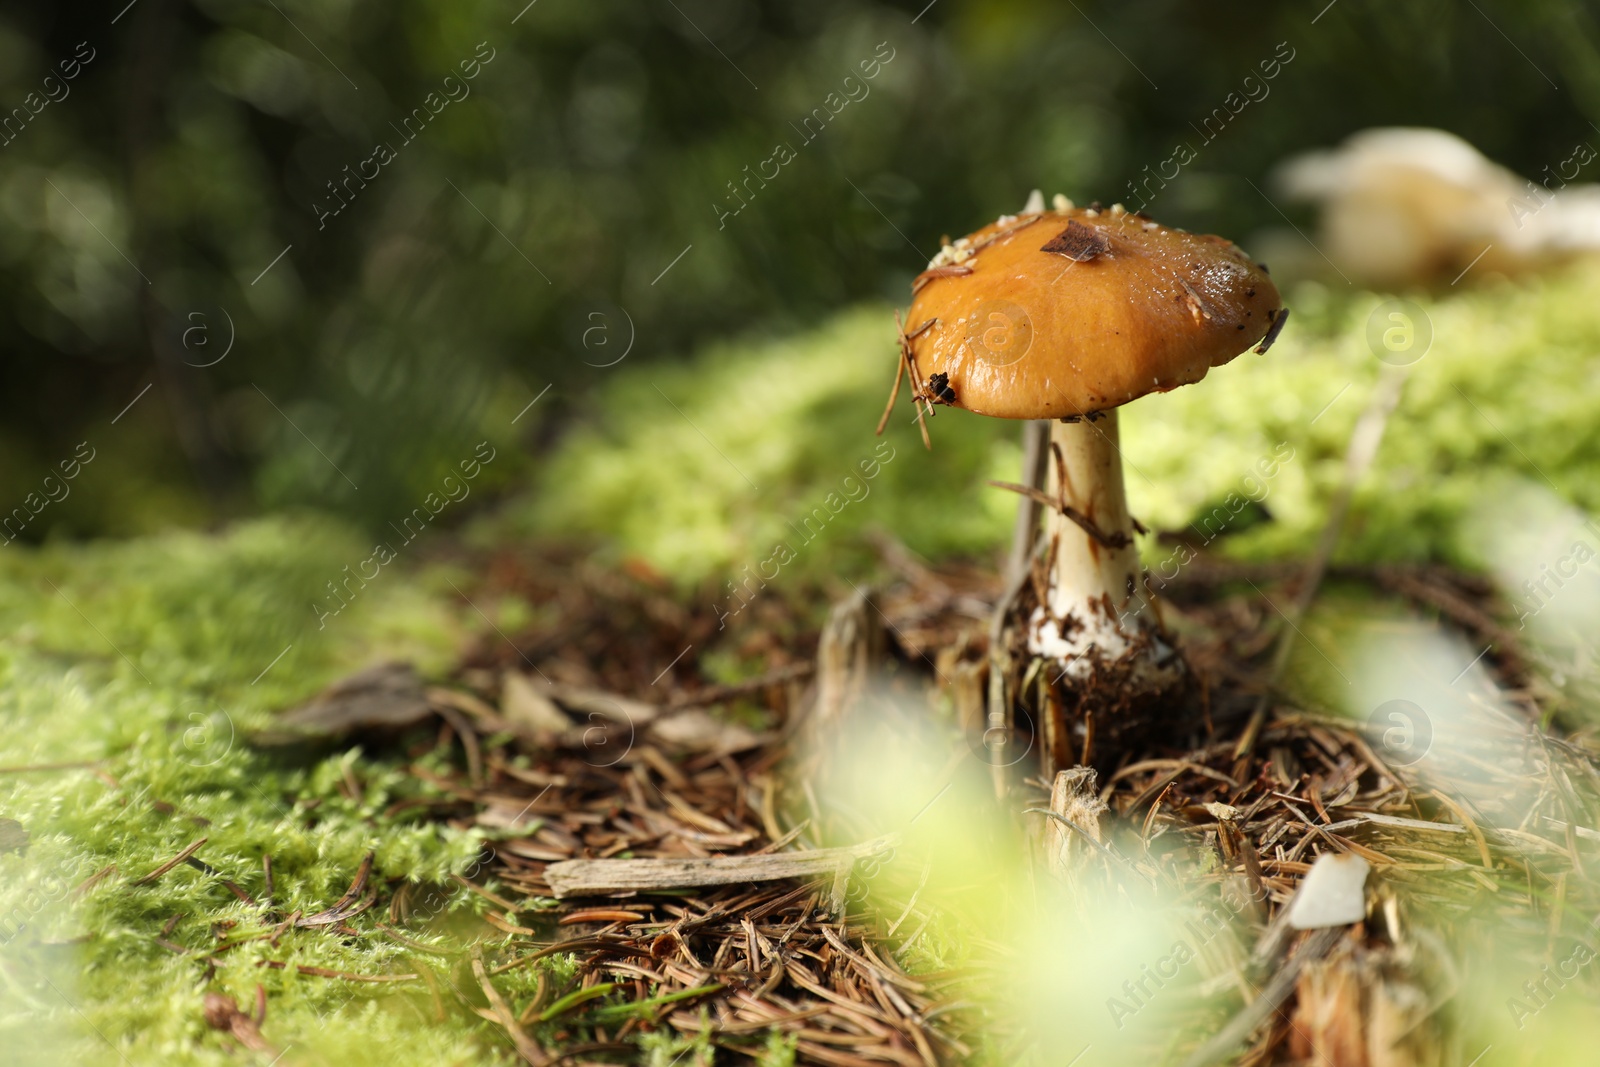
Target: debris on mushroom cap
[[1062, 312], [1077, 242], [1274, 330], [958, 251], [939, 389]]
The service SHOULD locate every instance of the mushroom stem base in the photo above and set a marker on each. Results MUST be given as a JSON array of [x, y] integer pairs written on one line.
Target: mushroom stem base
[[1121, 706], [1110, 661]]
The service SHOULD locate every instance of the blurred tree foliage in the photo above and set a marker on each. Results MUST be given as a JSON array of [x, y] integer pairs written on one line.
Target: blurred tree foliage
[[574, 198]]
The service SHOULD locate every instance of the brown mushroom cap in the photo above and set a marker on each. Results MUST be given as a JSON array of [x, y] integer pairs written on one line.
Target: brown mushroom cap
[[1071, 311]]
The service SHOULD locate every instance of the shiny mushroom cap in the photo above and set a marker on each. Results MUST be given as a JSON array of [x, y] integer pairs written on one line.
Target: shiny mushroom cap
[[1070, 311]]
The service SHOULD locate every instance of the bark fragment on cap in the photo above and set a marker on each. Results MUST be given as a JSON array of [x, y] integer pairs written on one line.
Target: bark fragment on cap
[[1078, 243]]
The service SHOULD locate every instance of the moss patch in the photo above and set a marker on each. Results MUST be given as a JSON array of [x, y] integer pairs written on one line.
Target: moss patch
[[151, 659], [704, 467]]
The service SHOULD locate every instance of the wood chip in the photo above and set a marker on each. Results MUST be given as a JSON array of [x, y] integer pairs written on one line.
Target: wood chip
[[598, 877]]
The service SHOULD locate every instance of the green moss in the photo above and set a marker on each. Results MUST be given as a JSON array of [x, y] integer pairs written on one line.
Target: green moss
[[703, 468], [151, 659], [779, 1051], [665, 1048], [1506, 391], [706, 467]]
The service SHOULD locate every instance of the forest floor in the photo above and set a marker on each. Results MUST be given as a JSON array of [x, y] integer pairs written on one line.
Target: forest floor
[[564, 741]]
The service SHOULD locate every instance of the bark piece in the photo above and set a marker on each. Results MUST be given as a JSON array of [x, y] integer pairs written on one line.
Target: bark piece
[[600, 877], [1074, 797], [1277, 989], [1078, 242], [1357, 1008], [851, 642], [968, 689]]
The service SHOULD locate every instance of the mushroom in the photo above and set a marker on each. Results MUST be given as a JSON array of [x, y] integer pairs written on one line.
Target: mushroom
[[1067, 314]]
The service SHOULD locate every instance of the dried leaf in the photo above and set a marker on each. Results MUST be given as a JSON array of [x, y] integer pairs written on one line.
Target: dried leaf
[[388, 696], [529, 709], [697, 730]]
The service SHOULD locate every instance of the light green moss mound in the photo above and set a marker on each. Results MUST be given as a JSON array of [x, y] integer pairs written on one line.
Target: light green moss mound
[[705, 467], [702, 468], [1508, 391], [151, 659]]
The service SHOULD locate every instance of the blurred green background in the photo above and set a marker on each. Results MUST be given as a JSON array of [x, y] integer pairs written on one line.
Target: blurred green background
[[571, 202]]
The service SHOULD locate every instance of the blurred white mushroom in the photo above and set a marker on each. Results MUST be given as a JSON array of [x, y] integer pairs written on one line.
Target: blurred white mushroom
[[1405, 206]]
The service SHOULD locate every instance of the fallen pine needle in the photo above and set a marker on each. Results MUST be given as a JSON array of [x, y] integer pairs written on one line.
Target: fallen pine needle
[[601, 915], [527, 1048], [173, 862], [573, 999]]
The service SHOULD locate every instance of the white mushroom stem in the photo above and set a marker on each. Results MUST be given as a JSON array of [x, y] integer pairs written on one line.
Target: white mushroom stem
[[1099, 606]]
